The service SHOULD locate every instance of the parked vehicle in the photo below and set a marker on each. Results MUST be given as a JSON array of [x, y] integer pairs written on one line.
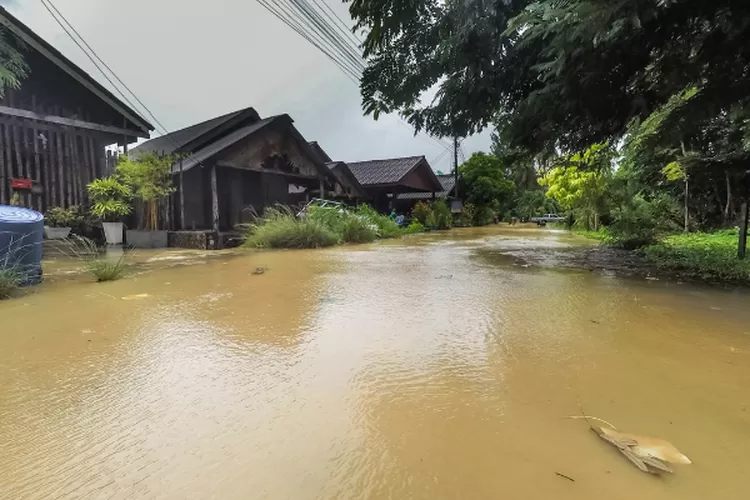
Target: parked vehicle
[[544, 219]]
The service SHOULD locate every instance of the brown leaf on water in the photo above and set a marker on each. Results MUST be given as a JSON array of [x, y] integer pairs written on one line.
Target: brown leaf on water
[[647, 453]]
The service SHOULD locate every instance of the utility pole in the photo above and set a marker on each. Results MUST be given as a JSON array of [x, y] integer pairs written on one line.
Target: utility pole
[[455, 165]]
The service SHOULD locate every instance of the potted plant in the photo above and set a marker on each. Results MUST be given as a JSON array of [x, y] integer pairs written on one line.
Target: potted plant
[[149, 177], [58, 222], [110, 199]]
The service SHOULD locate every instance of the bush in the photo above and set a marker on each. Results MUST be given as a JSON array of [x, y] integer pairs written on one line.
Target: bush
[[387, 227], [62, 217], [10, 280], [642, 222], [468, 212], [483, 216], [414, 228], [705, 255], [443, 215], [421, 211], [279, 228], [357, 230]]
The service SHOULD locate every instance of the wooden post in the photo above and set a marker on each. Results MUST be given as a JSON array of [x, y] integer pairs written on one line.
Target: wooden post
[[742, 243], [215, 201], [60, 166], [182, 199], [51, 169], [322, 189]]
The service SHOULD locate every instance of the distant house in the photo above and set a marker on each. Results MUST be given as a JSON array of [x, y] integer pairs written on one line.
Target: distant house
[[406, 201], [348, 187], [385, 180], [238, 164], [54, 130]]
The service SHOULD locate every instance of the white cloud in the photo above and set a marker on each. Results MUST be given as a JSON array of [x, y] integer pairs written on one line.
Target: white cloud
[[189, 61]]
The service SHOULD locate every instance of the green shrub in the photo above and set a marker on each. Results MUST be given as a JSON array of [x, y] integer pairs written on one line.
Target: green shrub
[[431, 220], [279, 228], [62, 217], [387, 227], [483, 215], [10, 280], [357, 230], [640, 222], [414, 227], [468, 212], [443, 215], [421, 211]]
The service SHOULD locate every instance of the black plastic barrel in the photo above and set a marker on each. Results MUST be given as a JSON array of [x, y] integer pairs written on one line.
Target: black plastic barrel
[[21, 242]]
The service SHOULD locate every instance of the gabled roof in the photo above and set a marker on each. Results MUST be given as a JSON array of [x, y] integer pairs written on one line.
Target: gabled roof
[[346, 178], [192, 138], [389, 171], [30, 38], [320, 154], [216, 147]]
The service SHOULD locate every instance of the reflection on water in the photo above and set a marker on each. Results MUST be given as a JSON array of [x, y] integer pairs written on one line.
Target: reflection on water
[[406, 369]]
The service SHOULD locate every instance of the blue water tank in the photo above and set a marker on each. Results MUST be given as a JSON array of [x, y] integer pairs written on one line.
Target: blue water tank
[[21, 242]]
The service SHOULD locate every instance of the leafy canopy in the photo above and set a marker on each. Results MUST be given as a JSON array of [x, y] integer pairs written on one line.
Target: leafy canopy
[[483, 181]]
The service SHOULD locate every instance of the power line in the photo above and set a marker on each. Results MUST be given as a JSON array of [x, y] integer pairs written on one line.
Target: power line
[[93, 52]]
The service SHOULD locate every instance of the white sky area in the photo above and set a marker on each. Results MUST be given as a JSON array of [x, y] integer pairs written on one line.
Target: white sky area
[[189, 61]]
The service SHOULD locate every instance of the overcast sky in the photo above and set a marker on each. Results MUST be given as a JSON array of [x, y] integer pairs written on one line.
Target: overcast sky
[[190, 61]]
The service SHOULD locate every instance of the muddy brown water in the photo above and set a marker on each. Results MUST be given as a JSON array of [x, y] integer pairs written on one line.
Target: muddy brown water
[[432, 367]]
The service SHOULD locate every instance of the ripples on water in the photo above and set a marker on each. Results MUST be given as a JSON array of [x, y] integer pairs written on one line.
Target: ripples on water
[[411, 369]]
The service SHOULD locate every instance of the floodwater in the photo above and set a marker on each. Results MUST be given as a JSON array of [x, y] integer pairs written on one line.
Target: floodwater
[[439, 366]]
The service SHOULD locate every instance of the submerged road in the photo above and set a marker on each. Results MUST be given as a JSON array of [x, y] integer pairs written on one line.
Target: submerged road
[[438, 366]]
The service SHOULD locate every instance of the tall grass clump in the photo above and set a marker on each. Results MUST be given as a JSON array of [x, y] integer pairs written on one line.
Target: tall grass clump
[[279, 228], [386, 227], [350, 227], [96, 265], [10, 281]]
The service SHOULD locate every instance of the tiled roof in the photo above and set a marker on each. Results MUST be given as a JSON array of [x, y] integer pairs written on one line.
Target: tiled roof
[[448, 181], [176, 140], [346, 178], [377, 172]]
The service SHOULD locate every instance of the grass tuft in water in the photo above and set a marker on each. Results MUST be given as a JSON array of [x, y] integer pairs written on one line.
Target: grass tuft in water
[[279, 228], [106, 270], [10, 281]]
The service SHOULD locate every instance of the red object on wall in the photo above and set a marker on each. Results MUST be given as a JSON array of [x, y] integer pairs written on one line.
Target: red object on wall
[[20, 183]]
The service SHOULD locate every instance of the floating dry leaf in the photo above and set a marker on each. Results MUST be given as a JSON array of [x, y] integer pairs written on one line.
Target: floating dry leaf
[[647, 453], [136, 296]]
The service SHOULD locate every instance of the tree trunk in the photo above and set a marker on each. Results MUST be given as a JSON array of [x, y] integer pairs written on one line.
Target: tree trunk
[[729, 197], [687, 214], [742, 243]]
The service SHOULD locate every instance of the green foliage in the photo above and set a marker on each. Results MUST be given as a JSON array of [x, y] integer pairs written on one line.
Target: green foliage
[[148, 176], [703, 255], [15, 200], [351, 226], [533, 203], [483, 181], [640, 222], [420, 211], [62, 217], [387, 227], [103, 269], [443, 215], [467, 216], [431, 221], [110, 198], [484, 215], [674, 171], [10, 280], [13, 69], [279, 228], [414, 227]]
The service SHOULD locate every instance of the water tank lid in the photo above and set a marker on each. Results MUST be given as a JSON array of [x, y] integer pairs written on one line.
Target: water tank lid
[[19, 215]]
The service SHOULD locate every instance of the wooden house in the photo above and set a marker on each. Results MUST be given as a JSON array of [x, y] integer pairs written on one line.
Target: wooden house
[[406, 201], [55, 129], [385, 180], [348, 188], [236, 165]]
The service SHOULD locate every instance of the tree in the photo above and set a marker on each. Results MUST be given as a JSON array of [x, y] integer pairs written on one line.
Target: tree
[[149, 176], [13, 69], [578, 182], [483, 183]]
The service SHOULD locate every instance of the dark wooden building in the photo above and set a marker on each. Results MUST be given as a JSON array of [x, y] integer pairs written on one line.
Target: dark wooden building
[[385, 180], [54, 130], [406, 201], [348, 188], [235, 166]]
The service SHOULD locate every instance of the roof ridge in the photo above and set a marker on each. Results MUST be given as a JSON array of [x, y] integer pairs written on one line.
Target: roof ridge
[[388, 159]]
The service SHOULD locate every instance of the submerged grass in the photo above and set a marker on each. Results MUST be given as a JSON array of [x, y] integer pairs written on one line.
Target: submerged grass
[[10, 281], [322, 227], [279, 228], [97, 266], [704, 255]]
